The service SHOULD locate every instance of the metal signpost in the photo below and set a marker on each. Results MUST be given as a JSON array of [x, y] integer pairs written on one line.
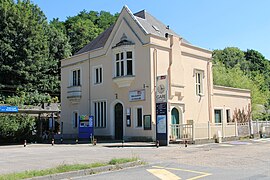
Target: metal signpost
[[161, 111]]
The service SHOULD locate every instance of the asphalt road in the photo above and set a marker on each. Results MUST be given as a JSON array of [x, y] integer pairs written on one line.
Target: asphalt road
[[231, 160]]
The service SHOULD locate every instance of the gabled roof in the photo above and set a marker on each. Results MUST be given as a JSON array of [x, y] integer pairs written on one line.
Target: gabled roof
[[146, 21]]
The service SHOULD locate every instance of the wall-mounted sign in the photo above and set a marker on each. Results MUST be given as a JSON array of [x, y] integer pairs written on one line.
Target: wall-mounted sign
[[161, 89], [137, 95], [8, 109]]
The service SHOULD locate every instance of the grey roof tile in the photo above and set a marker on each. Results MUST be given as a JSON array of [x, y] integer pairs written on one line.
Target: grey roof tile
[[148, 22]]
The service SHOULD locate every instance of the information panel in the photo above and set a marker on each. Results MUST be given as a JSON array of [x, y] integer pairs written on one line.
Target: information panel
[[86, 127], [162, 132]]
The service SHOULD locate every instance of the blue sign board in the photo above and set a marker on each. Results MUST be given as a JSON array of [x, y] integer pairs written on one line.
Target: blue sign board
[[8, 109], [86, 127]]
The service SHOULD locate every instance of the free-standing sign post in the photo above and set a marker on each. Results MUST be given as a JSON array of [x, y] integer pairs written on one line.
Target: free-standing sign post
[[161, 111]]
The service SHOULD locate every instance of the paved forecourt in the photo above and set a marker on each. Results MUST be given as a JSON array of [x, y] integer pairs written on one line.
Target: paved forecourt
[[249, 158]]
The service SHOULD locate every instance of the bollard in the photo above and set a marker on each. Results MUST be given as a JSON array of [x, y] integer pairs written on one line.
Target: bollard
[[95, 142], [185, 143], [52, 142], [24, 144], [123, 143], [77, 141], [157, 143]]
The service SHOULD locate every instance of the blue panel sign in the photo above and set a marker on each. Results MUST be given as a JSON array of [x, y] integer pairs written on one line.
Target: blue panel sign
[[8, 109], [86, 127]]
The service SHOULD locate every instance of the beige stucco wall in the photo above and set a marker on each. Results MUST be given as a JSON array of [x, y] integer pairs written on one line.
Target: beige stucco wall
[[153, 56], [230, 98], [109, 90]]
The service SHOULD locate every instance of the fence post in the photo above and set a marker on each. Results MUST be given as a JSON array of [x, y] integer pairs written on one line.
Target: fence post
[[193, 131], [223, 129], [257, 125], [209, 130], [236, 129]]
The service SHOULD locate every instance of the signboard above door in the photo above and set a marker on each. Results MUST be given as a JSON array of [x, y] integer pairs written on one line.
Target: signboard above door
[[137, 95]]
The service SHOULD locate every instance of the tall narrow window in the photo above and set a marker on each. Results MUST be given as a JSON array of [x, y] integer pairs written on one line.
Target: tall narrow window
[[100, 110], [129, 63], [76, 77], [199, 82], [75, 119], [98, 75], [228, 115], [139, 117]]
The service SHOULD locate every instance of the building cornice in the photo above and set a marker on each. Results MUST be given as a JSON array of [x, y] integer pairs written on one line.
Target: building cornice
[[231, 88], [195, 56], [196, 47]]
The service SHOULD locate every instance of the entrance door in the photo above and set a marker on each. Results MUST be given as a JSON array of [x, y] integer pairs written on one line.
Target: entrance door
[[175, 123], [118, 117]]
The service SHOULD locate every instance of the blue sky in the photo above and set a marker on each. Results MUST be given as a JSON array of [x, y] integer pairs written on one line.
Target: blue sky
[[211, 24]]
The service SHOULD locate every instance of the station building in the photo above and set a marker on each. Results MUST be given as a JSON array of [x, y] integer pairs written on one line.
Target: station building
[[116, 78]]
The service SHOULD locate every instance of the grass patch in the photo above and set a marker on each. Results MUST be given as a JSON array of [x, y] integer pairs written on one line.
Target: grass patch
[[122, 160], [62, 168]]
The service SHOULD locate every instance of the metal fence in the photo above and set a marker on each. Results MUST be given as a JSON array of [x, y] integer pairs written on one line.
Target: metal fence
[[209, 130], [261, 128]]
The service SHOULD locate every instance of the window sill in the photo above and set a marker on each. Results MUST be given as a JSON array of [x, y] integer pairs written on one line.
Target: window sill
[[124, 81]]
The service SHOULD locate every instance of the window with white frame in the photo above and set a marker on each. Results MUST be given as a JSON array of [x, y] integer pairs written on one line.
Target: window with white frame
[[218, 115], [124, 63], [76, 77], [138, 117], [98, 75], [100, 114], [75, 118], [199, 82]]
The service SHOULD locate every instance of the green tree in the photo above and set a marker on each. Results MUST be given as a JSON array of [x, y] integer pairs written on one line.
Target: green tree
[[15, 128], [30, 50], [230, 57]]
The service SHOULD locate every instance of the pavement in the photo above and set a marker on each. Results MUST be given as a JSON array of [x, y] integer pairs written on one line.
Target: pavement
[[234, 156]]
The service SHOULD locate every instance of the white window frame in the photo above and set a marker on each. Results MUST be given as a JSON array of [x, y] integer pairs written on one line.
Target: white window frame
[[97, 81], [123, 50], [199, 85], [135, 117], [71, 77], [221, 113], [100, 122], [74, 124]]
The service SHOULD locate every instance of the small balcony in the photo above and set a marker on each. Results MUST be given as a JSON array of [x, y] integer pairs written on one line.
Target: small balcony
[[74, 93], [123, 81]]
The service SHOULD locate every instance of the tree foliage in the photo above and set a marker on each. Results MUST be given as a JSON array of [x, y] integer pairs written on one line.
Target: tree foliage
[[15, 128], [30, 50], [84, 27], [244, 69]]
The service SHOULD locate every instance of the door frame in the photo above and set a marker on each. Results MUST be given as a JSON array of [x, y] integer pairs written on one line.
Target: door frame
[[112, 117]]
